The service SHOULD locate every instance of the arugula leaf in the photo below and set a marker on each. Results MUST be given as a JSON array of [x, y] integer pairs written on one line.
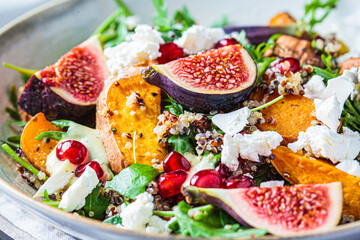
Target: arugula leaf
[[116, 219], [350, 116], [62, 124], [184, 17], [18, 123], [189, 226], [160, 18], [95, 206], [132, 181], [221, 22], [181, 143], [48, 201], [261, 70], [312, 14], [173, 107], [50, 135], [12, 96]]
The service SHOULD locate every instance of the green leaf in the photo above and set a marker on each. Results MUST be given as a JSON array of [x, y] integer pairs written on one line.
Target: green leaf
[[13, 113], [50, 202], [116, 219], [324, 73], [18, 123], [189, 226], [62, 124], [96, 206], [184, 17], [173, 106], [160, 17], [26, 72], [181, 143], [50, 135], [261, 70], [132, 181], [221, 22]]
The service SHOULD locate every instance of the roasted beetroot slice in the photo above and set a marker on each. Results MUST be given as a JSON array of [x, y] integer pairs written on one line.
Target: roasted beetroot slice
[[284, 211], [218, 79], [69, 88]]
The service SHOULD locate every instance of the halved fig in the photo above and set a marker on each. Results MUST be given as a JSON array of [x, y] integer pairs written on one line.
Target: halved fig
[[69, 88], [283, 211], [217, 79]]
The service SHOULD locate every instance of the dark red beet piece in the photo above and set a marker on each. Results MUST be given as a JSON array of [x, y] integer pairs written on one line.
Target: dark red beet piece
[[240, 181], [226, 42], [94, 165], [170, 183], [169, 51], [174, 161], [72, 150], [208, 178]]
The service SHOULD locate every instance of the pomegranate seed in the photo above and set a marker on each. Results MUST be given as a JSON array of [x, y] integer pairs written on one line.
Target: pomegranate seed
[[226, 42], [239, 182], [223, 170], [288, 65], [72, 150], [174, 161], [169, 51], [94, 165], [208, 178], [170, 183]]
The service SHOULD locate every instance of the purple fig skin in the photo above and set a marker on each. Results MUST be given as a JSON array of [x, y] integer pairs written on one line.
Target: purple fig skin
[[259, 34], [37, 97], [193, 101]]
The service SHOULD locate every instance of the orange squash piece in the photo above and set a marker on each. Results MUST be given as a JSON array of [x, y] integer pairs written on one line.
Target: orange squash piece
[[288, 117], [37, 151], [118, 121], [299, 169], [349, 63], [282, 19]]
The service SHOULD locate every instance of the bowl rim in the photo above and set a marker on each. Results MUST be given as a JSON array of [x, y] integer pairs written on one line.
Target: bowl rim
[[21, 197]]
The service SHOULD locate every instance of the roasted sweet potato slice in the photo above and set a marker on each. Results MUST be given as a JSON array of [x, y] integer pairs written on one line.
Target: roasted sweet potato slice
[[288, 117], [349, 63], [127, 106], [282, 19], [288, 46], [37, 151], [299, 169]]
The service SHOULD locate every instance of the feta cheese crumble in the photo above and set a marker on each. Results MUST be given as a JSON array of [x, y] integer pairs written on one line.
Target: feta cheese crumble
[[248, 146], [198, 38], [350, 166], [329, 111], [320, 141], [315, 87], [271, 184], [74, 197], [232, 122], [143, 45], [139, 215]]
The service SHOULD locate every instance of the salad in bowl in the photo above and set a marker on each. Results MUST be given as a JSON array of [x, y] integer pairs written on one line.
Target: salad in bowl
[[179, 128]]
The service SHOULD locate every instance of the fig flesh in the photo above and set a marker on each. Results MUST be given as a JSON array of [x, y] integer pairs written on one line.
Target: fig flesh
[[217, 79], [69, 88], [283, 211]]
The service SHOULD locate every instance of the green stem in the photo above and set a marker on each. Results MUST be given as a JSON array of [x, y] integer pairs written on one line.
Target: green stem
[[164, 213], [122, 5], [24, 163], [203, 208], [268, 104], [24, 71], [107, 22]]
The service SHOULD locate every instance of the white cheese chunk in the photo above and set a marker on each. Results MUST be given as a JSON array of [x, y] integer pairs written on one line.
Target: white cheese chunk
[[198, 38], [320, 141], [157, 225], [339, 87], [329, 111], [58, 180], [138, 214], [74, 197], [248, 146], [143, 45], [315, 87], [258, 143], [232, 122], [350, 166], [271, 184]]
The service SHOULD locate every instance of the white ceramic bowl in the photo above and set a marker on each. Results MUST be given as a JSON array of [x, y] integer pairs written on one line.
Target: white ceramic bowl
[[41, 36]]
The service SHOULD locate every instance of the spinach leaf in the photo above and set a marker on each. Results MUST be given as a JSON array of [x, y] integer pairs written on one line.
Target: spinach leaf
[[188, 226], [116, 219], [95, 206], [132, 181], [181, 143]]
